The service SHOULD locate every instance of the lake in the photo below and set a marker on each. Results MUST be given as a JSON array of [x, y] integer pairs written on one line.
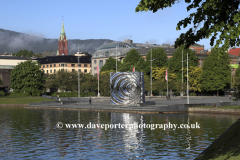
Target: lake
[[49, 134]]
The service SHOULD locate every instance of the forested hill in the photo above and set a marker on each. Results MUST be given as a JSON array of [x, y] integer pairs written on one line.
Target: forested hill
[[12, 42]]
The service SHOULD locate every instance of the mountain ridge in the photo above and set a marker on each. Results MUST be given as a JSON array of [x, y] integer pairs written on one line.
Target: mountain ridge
[[12, 42]]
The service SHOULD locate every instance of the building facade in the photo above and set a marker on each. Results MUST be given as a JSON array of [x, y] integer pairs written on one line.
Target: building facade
[[51, 65], [62, 43]]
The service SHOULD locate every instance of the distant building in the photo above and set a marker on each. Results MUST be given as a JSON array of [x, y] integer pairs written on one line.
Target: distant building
[[197, 47], [234, 51], [62, 43], [68, 63]]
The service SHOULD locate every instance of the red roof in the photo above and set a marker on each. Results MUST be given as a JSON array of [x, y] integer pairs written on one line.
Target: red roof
[[235, 52]]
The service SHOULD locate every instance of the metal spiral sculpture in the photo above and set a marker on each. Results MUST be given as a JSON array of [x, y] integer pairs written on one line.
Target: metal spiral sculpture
[[127, 88]]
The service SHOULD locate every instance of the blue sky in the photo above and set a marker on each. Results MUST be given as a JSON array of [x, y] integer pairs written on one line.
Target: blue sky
[[94, 19]]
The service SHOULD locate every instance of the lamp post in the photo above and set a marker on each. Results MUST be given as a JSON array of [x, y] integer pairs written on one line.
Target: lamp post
[[116, 59], [78, 75], [151, 69], [187, 82], [187, 76]]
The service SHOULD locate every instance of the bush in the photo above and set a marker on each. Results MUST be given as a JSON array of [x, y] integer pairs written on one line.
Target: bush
[[74, 94], [2, 93], [193, 94]]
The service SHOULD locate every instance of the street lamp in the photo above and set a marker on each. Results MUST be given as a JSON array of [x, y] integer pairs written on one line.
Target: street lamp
[[187, 76], [151, 69], [78, 75]]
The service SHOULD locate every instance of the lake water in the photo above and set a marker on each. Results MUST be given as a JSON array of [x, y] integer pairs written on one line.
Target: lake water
[[33, 133]]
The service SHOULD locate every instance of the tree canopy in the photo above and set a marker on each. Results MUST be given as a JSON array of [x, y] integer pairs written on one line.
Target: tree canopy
[[175, 64], [133, 59], [23, 53], [216, 73], [27, 77], [211, 18], [160, 59], [110, 65]]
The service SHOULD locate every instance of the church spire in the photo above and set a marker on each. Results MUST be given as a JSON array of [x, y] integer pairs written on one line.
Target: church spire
[[62, 43]]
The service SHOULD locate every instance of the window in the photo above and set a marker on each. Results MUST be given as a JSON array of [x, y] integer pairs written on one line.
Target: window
[[90, 65], [47, 65], [100, 63], [43, 66], [54, 70], [50, 65], [47, 71], [54, 65], [79, 70], [73, 65], [79, 65], [95, 61], [65, 65], [85, 65], [85, 71], [62, 65], [59, 65], [73, 70], [62, 69], [50, 71], [95, 68]]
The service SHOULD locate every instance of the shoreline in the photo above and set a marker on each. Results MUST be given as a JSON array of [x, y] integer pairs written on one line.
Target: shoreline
[[143, 110]]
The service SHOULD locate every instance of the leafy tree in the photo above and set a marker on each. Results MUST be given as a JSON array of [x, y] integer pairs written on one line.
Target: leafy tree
[[216, 73], [27, 77], [161, 59], [62, 80], [175, 64], [104, 83], [209, 18], [38, 55], [110, 65], [236, 82], [30, 54], [132, 60], [194, 74], [24, 53], [88, 82], [1, 82]]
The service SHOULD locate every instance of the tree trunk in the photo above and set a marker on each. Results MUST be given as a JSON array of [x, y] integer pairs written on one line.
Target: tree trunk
[[217, 92]]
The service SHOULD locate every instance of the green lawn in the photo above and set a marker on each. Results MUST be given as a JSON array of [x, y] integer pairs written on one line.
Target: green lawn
[[23, 100], [221, 107]]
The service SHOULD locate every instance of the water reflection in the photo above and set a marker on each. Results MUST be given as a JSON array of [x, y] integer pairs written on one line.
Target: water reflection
[[30, 133]]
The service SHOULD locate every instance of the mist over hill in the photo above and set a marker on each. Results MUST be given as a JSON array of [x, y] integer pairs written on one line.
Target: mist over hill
[[13, 42]]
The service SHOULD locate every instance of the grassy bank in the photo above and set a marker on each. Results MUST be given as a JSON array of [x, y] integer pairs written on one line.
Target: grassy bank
[[225, 147], [23, 100], [220, 107]]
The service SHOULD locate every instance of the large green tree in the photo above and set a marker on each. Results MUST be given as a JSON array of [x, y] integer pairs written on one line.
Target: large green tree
[[160, 59], [64, 81], [27, 77], [216, 19], [175, 64], [110, 65], [216, 72], [132, 60]]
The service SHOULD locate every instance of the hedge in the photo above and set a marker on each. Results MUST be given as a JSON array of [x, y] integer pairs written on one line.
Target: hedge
[[74, 94]]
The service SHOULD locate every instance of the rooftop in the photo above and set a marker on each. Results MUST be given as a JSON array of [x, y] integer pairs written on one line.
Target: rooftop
[[234, 51], [66, 59]]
